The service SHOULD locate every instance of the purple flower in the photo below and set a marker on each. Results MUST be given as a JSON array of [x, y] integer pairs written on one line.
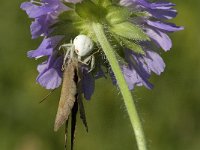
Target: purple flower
[[50, 74], [156, 30], [88, 83], [45, 14], [46, 48], [140, 68]]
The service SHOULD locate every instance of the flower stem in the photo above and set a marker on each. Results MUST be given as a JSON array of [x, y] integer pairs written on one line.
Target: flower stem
[[128, 100]]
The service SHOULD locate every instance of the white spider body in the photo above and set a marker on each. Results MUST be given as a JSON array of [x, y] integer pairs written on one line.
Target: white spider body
[[83, 45]]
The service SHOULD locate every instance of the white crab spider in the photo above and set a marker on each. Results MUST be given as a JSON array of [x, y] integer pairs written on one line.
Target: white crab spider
[[82, 45]]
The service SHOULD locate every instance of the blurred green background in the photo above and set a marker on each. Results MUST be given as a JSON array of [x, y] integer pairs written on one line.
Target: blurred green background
[[170, 112]]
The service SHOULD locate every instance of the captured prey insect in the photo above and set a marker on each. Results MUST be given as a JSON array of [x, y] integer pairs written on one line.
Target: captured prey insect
[[71, 92]]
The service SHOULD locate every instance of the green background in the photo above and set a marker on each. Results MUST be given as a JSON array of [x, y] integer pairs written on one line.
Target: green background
[[170, 112]]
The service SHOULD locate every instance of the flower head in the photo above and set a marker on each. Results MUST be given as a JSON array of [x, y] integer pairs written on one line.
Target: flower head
[[137, 28]]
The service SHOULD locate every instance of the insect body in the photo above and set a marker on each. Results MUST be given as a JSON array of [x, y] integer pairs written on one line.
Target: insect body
[[82, 46], [70, 98], [68, 93]]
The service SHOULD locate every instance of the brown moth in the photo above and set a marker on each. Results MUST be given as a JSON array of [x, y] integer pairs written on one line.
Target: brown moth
[[68, 93], [70, 100]]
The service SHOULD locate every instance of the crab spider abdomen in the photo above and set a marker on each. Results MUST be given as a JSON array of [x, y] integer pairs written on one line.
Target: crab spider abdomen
[[83, 45]]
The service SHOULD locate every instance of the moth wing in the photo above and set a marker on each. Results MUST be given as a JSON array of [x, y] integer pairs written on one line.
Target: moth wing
[[73, 123], [67, 97], [80, 102], [82, 112]]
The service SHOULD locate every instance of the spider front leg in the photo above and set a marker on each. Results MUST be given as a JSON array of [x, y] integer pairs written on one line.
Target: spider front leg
[[89, 60], [69, 48]]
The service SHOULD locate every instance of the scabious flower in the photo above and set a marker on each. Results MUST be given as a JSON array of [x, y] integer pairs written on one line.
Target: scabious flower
[[147, 19]]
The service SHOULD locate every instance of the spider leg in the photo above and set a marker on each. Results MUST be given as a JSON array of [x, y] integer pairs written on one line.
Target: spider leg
[[66, 56], [89, 60], [72, 49], [86, 61], [92, 63], [65, 46]]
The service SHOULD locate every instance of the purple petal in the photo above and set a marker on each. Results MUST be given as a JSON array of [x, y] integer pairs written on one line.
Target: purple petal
[[34, 11], [160, 38], [163, 14], [46, 47], [40, 27], [157, 5], [50, 75], [136, 73], [88, 84], [135, 77], [170, 27], [154, 62]]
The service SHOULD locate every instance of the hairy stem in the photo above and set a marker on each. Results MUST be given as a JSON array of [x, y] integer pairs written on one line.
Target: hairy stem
[[128, 100]]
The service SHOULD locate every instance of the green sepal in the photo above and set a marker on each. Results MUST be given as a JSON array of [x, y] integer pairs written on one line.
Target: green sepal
[[65, 27], [132, 46], [104, 3], [130, 31], [117, 14], [69, 15], [70, 5], [123, 42], [140, 14], [89, 10], [119, 51], [120, 57]]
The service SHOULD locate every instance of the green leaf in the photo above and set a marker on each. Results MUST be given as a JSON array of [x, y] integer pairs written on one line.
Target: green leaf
[[117, 14], [130, 31]]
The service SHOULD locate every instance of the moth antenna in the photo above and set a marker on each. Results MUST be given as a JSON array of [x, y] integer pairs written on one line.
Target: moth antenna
[[47, 96]]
